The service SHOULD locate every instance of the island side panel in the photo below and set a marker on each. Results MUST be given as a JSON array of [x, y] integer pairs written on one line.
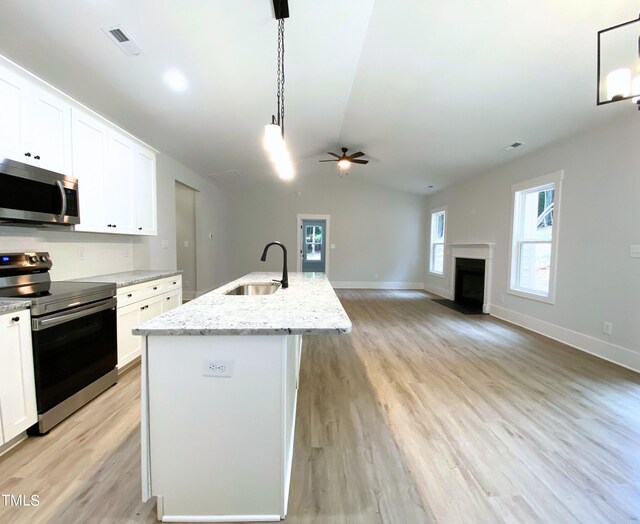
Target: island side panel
[[216, 443], [290, 393]]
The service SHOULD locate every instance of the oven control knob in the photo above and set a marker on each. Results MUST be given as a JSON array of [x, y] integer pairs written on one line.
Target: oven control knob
[[33, 260], [43, 259]]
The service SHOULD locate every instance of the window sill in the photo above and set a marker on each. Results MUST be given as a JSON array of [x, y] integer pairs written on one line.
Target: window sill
[[550, 299], [431, 273]]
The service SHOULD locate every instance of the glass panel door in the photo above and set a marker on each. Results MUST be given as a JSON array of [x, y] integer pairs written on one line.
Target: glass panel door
[[313, 245]]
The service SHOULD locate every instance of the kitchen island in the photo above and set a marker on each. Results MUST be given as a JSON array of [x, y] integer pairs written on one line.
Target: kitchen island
[[219, 390]]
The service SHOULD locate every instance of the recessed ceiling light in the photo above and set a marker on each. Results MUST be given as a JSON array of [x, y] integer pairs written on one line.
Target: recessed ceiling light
[[175, 80]]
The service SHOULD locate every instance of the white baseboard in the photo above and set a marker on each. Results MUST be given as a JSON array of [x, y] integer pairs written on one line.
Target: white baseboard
[[622, 356], [440, 291], [378, 285]]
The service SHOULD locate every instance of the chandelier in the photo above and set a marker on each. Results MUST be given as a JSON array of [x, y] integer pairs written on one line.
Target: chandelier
[[619, 63]]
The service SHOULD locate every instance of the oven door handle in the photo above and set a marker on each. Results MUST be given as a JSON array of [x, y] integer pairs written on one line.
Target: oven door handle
[[41, 324], [63, 194]]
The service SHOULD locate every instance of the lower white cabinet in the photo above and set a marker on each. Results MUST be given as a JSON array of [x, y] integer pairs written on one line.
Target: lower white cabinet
[[139, 303], [18, 409]]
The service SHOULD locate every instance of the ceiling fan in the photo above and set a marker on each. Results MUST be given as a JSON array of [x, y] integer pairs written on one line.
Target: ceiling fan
[[344, 160]]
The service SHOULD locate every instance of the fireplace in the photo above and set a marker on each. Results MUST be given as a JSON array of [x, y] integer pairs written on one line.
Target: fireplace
[[469, 282]]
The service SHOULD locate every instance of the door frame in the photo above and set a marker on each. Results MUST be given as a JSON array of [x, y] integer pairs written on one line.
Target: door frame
[[327, 246]]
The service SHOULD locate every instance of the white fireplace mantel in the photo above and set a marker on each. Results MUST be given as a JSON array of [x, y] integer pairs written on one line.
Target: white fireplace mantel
[[480, 250]]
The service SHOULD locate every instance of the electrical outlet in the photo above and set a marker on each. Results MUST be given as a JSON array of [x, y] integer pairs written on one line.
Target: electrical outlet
[[165, 244], [502, 297], [634, 251], [126, 252], [217, 368], [607, 328], [80, 253]]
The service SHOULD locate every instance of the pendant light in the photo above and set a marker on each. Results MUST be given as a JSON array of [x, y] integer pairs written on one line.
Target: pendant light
[[274, 141], [619, 63]]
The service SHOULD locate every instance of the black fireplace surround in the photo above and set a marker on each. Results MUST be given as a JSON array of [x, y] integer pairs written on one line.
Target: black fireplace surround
[[469, 285]]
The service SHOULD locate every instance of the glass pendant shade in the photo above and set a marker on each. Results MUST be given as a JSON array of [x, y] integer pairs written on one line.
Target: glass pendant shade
[[618, 84], [273, 137], [344, 164]]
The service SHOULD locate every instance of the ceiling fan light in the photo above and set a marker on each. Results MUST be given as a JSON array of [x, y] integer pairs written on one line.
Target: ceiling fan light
[[618, 84], [344, 164]]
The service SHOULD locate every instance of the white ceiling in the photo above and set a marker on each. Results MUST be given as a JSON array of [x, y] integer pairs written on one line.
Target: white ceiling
[[431, 91]]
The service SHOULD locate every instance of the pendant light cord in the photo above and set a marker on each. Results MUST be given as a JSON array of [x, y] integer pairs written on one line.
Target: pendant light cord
[[280, 86]]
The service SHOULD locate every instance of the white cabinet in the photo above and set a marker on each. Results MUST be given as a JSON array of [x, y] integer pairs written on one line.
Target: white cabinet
[[139, 303], [117, 179], [89, 162], [18, 409], [35, 126], [119, 186], [144, 191]]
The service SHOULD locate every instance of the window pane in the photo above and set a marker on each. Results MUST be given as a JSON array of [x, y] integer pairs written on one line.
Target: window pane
[[535, 266], [318, 234], [438, 258], [537, 218]]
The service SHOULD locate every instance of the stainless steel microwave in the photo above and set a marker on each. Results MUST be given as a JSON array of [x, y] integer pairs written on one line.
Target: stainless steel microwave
[[32, 195]]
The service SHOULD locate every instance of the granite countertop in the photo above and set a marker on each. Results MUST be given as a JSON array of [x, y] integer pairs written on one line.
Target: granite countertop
[[128, 278], [308, 306], [7, 305]]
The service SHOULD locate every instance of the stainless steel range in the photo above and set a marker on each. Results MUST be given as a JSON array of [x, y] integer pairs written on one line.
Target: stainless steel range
[[74, 335]]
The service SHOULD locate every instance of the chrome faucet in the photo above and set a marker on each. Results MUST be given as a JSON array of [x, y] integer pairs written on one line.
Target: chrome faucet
[[285, 273]]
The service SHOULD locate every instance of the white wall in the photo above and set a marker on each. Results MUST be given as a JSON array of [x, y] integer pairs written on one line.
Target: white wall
[[597, 281], [210, 220], [376, 230]]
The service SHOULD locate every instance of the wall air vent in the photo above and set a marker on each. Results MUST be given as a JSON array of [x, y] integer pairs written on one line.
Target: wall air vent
[[122, 40], [232, 173], [511, 147]]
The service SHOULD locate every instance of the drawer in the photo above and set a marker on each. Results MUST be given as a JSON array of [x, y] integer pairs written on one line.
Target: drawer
[[131, 294], [173, 283]]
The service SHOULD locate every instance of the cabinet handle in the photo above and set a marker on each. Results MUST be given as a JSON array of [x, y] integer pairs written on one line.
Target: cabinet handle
[[15, 319], [37, 157], [155, 287], [168, 298], [174, 283], [139, 229], [129, 295], [27, 154], [109, 225]]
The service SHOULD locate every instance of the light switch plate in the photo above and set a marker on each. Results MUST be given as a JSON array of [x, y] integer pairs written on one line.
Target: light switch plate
[[165, 244], [634, 251], [333, 246]]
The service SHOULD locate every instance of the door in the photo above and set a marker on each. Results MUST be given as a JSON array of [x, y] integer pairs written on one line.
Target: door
[[48, 132], [186, 238], [313, 245], [12, 106], [17, 385], [89, 148], [144, 192]]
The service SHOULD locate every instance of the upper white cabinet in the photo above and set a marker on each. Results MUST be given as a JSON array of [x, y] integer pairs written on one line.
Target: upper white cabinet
[[35, 126], [116, 174], [116, 177], [18, 409], [144, 191]]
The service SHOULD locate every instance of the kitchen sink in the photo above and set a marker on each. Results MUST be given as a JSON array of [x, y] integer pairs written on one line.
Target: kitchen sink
[[254, 289]]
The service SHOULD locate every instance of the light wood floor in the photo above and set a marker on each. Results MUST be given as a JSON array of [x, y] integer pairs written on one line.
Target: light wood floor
[[420, 415]]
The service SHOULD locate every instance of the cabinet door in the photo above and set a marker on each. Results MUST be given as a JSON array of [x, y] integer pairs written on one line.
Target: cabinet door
[[117, 183], [48, 131], [17, 383], [129, 346], [171, 300], [153, 308], [144, 192], [89, 158], [11, 116]]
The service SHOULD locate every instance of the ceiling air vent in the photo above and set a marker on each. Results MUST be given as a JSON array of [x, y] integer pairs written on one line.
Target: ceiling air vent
[[511, 147], [232, 173], [122, 40]]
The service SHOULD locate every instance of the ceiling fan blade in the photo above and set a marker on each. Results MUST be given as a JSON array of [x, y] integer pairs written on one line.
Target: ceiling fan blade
[[333, 154], [327, 160], [357, 155], [360, 161]]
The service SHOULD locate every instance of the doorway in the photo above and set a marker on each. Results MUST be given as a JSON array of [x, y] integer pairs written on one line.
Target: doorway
[[313, 243], [186, 247]]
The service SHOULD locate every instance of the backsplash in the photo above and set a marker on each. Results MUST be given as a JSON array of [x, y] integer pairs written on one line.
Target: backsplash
[[74, 254]]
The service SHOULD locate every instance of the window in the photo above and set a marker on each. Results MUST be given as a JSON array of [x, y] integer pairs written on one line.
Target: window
[[436, 252], [536, 208]]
